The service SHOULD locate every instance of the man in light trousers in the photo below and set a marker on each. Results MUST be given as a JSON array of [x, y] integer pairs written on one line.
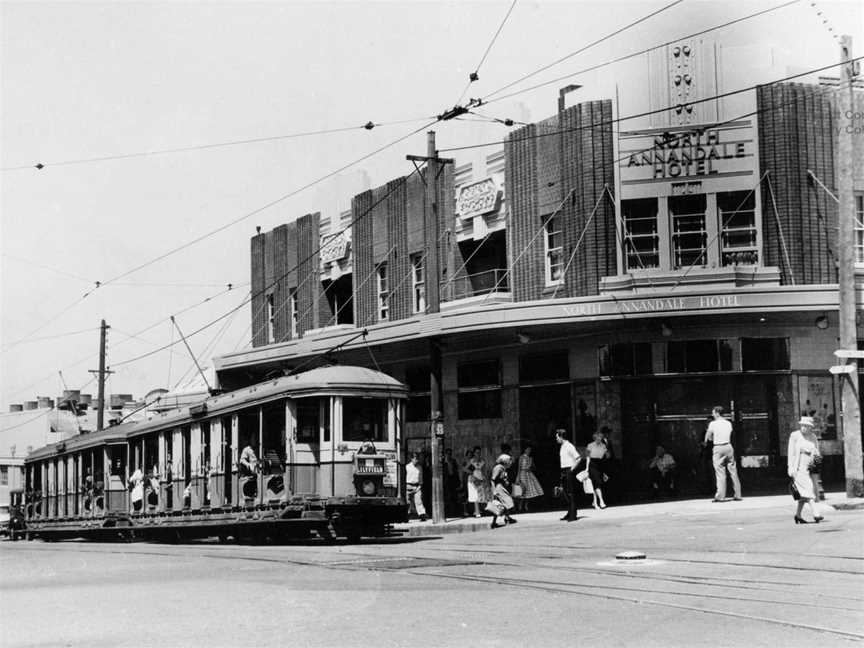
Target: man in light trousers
[[719, 434]]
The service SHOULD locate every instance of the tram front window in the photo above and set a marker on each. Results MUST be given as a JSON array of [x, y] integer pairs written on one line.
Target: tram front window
[[364, 419]]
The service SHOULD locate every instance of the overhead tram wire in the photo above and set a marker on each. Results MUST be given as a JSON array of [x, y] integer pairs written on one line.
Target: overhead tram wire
[[587, 47], [648, 113], [271, 284], [268, 205], [625, 57], [475, 75], [201, 147]]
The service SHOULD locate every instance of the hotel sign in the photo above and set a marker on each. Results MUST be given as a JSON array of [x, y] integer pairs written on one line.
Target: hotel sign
[[334, 249], [701, 159], [477, 198], [658, 305]]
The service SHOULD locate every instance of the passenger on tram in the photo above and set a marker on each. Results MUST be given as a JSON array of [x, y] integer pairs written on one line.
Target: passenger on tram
[[152, 489], [248, 465], [136, 485], [88, 493]]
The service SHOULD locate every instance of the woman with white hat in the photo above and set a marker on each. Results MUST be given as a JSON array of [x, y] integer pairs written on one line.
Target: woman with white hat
[[802, 450]]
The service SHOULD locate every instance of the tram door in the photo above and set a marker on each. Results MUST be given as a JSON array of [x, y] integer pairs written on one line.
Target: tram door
[[249, 444], [272, 474], [311, 430], [224, 462], [115, 487]]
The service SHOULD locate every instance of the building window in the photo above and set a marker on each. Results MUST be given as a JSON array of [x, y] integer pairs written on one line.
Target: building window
[[625, 359], [689, 238], [737, 213], [294, 314], [698, 356], [418, 282], [383, 294], [544, 368], [271, 319], [859, 228], [764, 354], [479, 390], [4, 475], [552, 243], [641, 241]]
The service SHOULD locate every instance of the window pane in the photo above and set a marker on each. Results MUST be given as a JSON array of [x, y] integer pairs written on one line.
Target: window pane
[[480, 404], [642, 358], [676, 357], [689, 237], [479, 374], [418, 408], [737, 213], [641, 240], [308, 411], [546, 366], [764, 354], [701, 355], [364, 418]]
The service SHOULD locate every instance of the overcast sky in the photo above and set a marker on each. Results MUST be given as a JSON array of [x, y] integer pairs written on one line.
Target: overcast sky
[[89, 80]]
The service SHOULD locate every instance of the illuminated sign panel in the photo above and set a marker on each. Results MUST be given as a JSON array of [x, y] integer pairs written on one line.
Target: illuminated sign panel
[[702, 159], [477, 198]]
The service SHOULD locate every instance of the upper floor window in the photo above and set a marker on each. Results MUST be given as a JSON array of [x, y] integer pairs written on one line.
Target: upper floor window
[[553, 249], [737, 213], [689, 238], [418, 282], [859, 227], [271, 319], [4, 476], [294, 314], [641, 240], [383, 292]]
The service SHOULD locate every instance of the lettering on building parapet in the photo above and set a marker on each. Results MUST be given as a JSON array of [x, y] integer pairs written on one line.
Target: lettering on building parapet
[[652, 305], [687, 154]]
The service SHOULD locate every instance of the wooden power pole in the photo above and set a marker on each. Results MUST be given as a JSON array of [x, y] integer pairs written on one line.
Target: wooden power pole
[[432, 267], [850, 404], [100, 414]]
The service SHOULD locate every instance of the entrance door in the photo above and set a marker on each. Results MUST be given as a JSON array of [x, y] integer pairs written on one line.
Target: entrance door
[[543, 409], [311, 428]]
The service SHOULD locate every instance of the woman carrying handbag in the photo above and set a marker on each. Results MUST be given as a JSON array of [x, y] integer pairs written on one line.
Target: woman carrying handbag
[[801, 457]]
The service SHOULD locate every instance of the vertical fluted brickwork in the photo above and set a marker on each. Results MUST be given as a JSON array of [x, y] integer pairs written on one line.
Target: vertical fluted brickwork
[[523, 218], [797, 131], [308, 273], [259, 299], [361, 253], [398, 261], [587, 168]]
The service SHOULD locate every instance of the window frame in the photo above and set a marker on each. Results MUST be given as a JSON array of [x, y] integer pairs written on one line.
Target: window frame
[[747, 205], [676, 235], [295, 315], [418, 283], [858, 225], [630, 247], [382, 291], [468, 394], [549, 250]]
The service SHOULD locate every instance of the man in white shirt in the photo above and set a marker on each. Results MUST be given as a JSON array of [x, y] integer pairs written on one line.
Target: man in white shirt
[[719, 434], [414, 486], [570, 458]]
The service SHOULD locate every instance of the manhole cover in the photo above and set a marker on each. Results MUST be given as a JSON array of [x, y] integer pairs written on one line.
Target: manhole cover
[[630, 555]]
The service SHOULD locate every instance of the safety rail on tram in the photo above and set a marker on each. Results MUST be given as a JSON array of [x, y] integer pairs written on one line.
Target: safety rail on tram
[[317, 452]]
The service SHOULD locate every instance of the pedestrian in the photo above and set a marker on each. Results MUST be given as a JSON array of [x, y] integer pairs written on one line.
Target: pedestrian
[[526, 479], [501, 502], [479, 491], [598, 452], [802, 451], [452, 481], [662, 471], [465, 476], [248, 480], [136, 485], [569, 461], [414, 486], [719, 435]]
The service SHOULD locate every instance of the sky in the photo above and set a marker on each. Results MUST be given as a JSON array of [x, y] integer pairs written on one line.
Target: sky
[[80, 81]]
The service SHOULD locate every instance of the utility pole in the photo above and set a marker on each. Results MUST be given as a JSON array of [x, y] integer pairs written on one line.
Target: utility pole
[[432, 263], [850, 404], [102, 373]]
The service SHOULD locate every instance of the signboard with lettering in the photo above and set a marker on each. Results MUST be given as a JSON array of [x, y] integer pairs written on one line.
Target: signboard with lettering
[[680, 161], [334, 249], [477, 198]]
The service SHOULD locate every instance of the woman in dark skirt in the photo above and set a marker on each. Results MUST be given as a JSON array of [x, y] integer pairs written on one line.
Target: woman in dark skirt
[[598, 453]]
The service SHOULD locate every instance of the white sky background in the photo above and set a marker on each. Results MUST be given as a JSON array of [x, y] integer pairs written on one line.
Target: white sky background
[[100, 79]]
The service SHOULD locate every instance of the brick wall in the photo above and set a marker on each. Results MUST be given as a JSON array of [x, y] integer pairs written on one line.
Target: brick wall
[[398, 258], [523, 218], [587, 168], [259, 299], [308, 272], [797, 125], [361, 235]]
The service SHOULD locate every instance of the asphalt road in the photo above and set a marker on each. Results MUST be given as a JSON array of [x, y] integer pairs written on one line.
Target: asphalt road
[[734, 578]]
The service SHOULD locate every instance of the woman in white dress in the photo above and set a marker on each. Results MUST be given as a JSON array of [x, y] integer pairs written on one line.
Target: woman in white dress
[[802, 450], [479, 489]]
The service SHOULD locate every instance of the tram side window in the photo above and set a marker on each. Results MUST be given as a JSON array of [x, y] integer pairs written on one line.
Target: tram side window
[[308, 420], [364, 418], [117, 457], [274, 433]]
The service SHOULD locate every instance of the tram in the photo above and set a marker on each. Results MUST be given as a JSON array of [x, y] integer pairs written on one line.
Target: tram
[[318, 452]]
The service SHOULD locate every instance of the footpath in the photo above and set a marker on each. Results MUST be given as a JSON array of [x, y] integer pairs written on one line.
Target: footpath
[[833, 501]]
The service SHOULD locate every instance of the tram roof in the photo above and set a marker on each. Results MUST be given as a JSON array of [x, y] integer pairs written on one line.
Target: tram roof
[[330, 380]]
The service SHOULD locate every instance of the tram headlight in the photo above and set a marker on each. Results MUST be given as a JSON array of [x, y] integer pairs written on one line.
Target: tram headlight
[[368, 487]]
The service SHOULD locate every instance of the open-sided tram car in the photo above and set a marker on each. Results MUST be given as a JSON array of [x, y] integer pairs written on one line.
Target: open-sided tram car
[[283, 458]]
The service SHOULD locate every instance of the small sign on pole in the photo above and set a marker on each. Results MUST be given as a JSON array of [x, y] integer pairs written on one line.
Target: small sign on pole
[[849, 353], [843, 369]]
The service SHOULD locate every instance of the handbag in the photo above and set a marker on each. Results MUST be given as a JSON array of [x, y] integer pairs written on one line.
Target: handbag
[[582, 476], [558, 492], [588, 487], [516, 490], [794, 490], [815, 464]]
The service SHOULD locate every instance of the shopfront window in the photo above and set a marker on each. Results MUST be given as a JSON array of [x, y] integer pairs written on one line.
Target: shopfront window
[[764, 354], [698, 356], [479, 390], [737, 213], [553, 250], [419, 382], [689, 238], [641, 240], [625, 359]]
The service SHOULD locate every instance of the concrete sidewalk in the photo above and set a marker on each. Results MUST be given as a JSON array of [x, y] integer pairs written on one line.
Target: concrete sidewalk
[[833, 501]]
